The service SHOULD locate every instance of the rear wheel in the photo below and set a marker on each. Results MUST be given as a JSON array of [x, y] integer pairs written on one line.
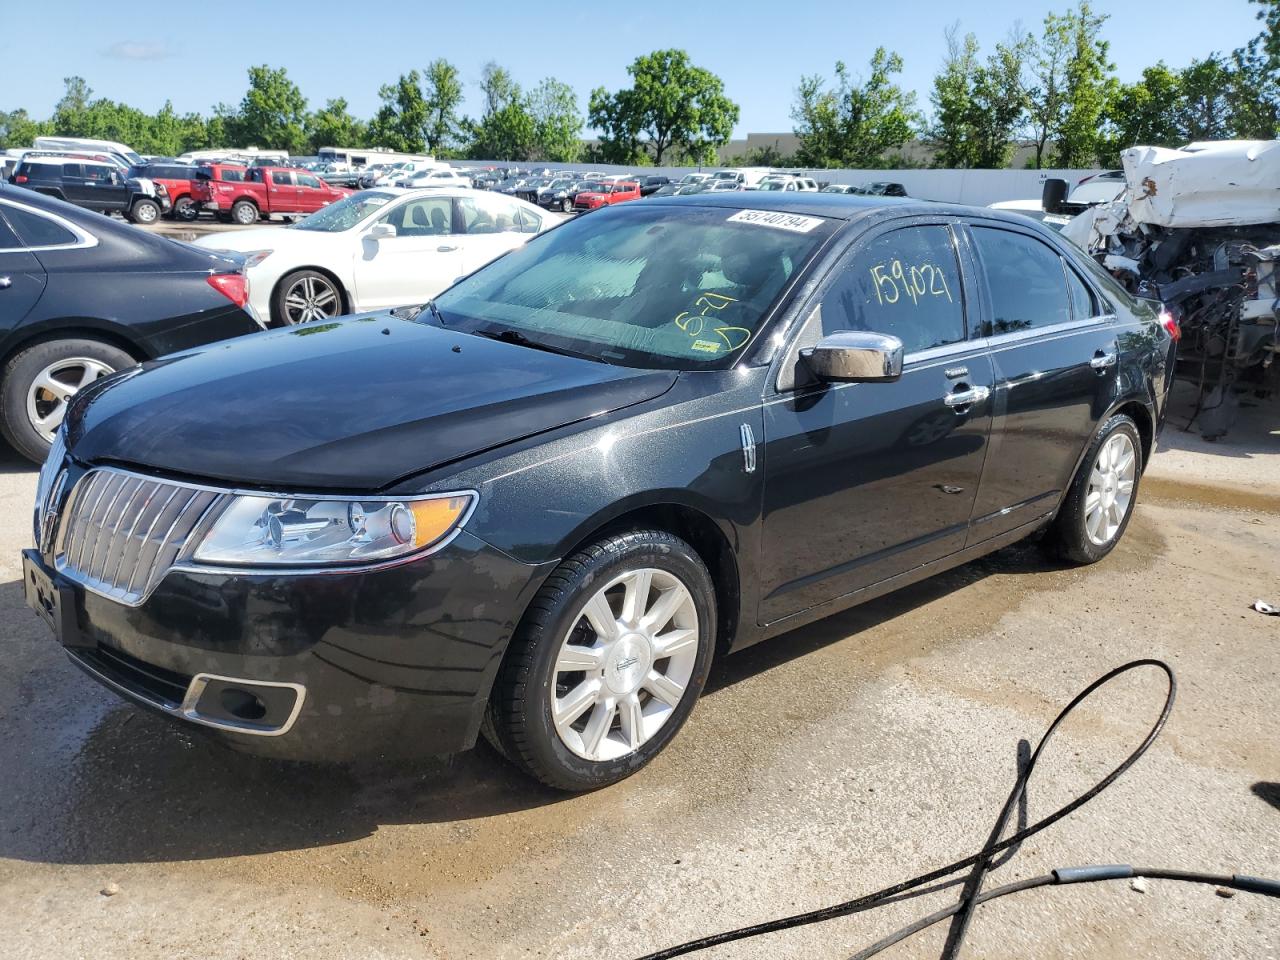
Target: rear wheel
[[244, 212], [40, 381], [608, 662], [144, 211], [1100, 501]]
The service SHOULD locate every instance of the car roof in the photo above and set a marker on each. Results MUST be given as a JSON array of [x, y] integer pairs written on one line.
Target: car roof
[[836, 206]]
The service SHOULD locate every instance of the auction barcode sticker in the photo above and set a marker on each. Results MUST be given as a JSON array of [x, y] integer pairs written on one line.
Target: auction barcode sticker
[[772, 218]]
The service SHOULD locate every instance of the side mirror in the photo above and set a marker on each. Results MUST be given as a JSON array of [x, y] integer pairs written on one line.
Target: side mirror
[[381, 231], [855, 356]]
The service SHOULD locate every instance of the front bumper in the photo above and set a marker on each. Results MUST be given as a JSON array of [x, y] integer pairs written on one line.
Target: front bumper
[[381, 664]]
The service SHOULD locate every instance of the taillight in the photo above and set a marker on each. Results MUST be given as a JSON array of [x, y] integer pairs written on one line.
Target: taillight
[[20, 178], [233, 286], [1170, 323]]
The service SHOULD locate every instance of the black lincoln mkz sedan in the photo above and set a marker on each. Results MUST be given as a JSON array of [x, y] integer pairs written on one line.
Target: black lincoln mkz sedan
[[540, 506]]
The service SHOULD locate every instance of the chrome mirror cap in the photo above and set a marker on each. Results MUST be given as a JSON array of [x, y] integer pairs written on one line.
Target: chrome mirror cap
[[855, 356]]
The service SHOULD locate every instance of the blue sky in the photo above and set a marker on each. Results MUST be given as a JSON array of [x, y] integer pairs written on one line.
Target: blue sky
[[197, 55]]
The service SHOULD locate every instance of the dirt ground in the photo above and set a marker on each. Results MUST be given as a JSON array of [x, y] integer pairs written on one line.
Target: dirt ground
[[829, 762]]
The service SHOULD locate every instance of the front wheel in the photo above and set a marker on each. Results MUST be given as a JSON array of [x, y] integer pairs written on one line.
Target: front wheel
[[1100, 502], [40, 381], [566, 205], [608, 662], [304, 296], [145, 212]]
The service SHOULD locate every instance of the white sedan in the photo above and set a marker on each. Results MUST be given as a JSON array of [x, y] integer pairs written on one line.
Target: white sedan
[[377, 249], [434, 178]]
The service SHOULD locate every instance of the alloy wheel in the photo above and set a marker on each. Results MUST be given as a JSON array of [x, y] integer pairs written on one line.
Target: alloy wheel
[[54, 386], [1110, 492], [311, 298], [625, 664]]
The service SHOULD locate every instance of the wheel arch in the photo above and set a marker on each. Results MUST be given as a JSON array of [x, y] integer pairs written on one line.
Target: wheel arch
[[71, 329], [347, 303], [696, 528], [1144, 419]]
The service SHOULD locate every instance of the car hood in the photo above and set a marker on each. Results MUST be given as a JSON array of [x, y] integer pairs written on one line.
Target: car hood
[[355, 404]]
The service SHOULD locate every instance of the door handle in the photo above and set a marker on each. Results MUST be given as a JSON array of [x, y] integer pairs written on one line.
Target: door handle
[[966, 397], [5, 283], [1101, 360], [445, 248]]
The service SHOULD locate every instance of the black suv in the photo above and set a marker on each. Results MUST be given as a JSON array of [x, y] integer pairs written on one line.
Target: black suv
[[94, 185]]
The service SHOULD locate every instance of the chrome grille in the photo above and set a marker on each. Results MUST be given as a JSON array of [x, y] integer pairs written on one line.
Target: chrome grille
[[121, 532]]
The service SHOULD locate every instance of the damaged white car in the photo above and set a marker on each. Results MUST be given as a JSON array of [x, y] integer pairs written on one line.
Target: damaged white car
[[1199, 230]]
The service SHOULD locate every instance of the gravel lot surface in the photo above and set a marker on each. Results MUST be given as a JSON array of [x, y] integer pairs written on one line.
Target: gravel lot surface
[[826, 763]]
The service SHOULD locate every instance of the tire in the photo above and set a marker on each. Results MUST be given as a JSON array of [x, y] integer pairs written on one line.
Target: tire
[[244, 212], [73, 364], [144, 211], [625, 714], [566, 205], [1100, 501], [305, 296], [186, 210]]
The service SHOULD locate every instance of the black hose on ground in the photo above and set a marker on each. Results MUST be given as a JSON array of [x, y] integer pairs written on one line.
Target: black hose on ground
[[981, 861]]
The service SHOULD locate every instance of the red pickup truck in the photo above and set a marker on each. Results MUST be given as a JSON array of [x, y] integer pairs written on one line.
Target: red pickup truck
[[243, 194], [599, 194]]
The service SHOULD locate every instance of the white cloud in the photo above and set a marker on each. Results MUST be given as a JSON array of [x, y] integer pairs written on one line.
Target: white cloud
[[138, 50]]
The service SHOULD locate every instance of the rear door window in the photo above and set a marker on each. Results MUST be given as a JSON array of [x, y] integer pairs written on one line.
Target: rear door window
[[37, 231], [1026, 281], [1083, 303], [905, 283]]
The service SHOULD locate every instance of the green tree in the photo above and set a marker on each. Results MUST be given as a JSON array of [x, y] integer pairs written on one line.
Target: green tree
[[69, 118], [498, 87], [1000, 101], [857, 123], [272, 113], [443, 95], [952, 133], [1142, 113], [17, 129], [557, 124], [334, 126], [1085, 91], [1203, 112], [400, 121], [672, 106]]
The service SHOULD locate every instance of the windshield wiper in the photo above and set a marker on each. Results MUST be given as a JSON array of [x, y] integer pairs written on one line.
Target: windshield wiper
[[519, 339]]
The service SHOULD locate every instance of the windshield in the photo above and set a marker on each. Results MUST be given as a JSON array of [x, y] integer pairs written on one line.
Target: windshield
[[345, 213], [772, 185], [672, 287]]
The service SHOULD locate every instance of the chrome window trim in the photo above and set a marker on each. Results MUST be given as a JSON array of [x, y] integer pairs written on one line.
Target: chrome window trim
[[84, 239], [1000, 341]]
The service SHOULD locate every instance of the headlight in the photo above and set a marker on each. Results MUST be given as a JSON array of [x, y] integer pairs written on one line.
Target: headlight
[[286, 531], [255, 257]]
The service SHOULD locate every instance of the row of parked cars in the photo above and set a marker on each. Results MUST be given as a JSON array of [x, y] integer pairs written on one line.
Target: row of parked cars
[[144, 193]]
